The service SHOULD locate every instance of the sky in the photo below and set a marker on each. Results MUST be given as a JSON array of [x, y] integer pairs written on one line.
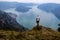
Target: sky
[[34, 1]]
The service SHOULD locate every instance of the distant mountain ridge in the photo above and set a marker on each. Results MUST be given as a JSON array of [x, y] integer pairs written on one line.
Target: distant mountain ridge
[[52, 8], [7, 5], [20, 7], [9, 23]]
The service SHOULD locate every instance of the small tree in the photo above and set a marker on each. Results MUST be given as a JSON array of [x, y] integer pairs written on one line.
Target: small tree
[[58, 24], [58, 27]]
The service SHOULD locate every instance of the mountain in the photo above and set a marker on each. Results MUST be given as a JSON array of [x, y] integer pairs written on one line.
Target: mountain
[[7, 5], [37, 33], [7, 22], [17, 8], [22, 8], [52, 8]]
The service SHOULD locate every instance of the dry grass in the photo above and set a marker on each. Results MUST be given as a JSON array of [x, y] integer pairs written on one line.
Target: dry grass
[[34, 34]]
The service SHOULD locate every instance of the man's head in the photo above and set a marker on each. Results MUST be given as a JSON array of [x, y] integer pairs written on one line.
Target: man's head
[[38, 16]]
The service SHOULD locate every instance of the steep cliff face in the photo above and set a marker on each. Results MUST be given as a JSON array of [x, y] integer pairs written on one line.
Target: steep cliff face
[[8, 22]]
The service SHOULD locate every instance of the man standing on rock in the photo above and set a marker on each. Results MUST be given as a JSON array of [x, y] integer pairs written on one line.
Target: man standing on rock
[[37, 20]]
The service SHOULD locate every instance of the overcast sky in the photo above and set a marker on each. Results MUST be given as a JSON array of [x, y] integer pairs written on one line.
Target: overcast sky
[[34, 1]]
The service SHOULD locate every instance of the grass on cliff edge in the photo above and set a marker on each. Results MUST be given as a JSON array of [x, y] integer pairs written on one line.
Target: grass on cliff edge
[[37, 33]]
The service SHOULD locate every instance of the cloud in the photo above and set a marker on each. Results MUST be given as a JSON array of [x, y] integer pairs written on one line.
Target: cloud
[[46, 19], [28, 19], [34, 1]]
